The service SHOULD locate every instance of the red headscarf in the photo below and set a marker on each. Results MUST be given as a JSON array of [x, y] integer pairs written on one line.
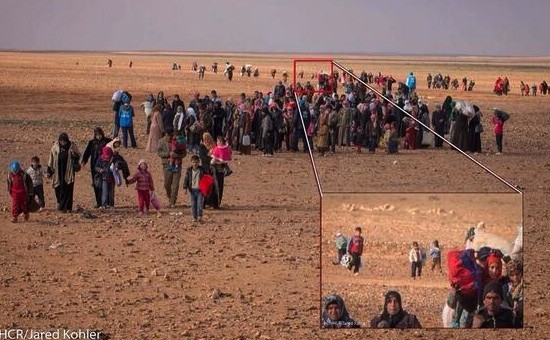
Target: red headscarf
[[495, 258]]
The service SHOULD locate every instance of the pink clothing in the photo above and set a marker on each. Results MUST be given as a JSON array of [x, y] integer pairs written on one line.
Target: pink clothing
[[155, 132], [144, 200], [143, 180], [222, 153], [499, 124]]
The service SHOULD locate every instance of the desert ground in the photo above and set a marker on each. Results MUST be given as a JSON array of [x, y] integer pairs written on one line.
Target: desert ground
[[252, 269]]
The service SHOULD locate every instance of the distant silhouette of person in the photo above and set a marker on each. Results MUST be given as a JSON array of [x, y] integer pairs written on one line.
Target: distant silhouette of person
[[110, 63], [131, 63]]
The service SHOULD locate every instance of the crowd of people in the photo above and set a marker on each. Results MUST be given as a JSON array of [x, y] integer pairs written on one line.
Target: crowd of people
[[445, 82], [312, 115]]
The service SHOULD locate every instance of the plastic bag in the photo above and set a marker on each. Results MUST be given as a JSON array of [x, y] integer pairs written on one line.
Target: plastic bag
[[155, 200]]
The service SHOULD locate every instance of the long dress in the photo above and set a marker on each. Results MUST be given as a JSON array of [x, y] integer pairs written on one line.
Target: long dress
[[155, 132]]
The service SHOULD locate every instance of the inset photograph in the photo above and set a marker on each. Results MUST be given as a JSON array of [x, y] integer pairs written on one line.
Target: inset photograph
[[400, 260]]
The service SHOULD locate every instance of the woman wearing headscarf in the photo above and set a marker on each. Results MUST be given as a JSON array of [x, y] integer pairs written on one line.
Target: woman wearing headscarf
[[62, 165], [393, 315], [156, 130], [335, 314], [206, 146], [475, 128], [514, 290], [92, 153], [447, 108]]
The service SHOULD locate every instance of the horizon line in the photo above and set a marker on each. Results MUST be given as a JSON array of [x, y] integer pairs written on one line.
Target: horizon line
[[354, 54]]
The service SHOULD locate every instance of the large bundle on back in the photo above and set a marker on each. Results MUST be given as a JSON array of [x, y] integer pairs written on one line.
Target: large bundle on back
[[463, 273]]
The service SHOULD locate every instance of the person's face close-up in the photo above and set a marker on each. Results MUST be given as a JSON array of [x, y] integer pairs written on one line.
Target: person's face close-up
[[143, 166], [494, 270], [195, 163], [63, 142], [492, 302], [515, 276], [393, 306], [333, 311]]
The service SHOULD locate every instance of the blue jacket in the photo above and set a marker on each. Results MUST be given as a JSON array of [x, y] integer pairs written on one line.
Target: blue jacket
[[411, 82]]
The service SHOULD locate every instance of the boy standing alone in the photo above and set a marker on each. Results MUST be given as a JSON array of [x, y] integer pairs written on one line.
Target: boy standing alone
[[415, 258]]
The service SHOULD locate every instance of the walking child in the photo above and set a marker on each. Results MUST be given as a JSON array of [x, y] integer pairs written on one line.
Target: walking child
[[415, 258], [103, 170], [36, 172], [19, 188], [435, 254], [193, 176], [178, 150], [144, 187], [355, 249], [498, 123], [341, 244]]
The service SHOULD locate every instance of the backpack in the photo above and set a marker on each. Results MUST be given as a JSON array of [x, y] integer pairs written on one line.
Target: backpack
[[356, 245], [126, 114], [463, 273]]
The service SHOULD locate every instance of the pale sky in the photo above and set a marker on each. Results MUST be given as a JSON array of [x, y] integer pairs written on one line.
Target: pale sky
[[448, 27]]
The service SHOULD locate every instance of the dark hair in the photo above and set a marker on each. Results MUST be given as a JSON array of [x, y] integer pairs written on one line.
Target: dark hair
[[35, 159], [436, 243], [99, 131], [358, 229], [221, 139], [195, 157]]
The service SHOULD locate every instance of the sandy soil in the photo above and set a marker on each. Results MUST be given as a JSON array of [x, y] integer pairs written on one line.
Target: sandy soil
[[253, 269]]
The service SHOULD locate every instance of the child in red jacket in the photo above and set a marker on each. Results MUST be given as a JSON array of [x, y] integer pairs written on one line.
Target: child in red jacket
[[144, 186], [19, 188]]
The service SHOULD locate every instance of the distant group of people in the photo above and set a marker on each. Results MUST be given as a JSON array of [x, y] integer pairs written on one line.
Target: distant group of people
[[527, 90], [349, 252], [444, 82], [110, 63]]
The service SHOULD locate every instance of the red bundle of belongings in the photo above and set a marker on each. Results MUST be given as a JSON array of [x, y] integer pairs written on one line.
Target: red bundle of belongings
[[205, 185], [462, 271]]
